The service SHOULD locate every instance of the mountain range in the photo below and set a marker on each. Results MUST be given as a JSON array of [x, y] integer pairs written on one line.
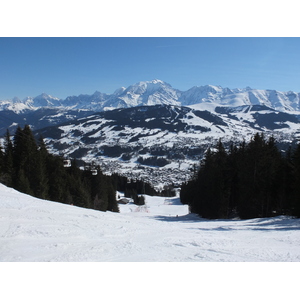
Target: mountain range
[[159, 92], [152, 130]]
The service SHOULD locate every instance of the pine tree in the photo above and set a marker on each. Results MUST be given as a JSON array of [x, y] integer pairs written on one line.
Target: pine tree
[[25, 158], [41, 176], [288, 183], [99, 193], [233, 162], [22, 183], [1, 162], [250, 174], [8, 160], [213, 189], [274, 184], [57, 180], [295, 201], [18, 149], [112, 204]]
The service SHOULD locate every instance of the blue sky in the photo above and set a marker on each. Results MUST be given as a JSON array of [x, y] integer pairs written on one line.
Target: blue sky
[[71, 66]]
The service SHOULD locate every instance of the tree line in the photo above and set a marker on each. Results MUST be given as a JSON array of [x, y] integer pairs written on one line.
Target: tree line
[[252, 180], [27, 166]]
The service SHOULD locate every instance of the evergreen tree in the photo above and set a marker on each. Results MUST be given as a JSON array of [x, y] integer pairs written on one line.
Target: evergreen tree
[[112, 204], [288, 178], [212, 194], [22, 183], [295, 201], [18, 150], [8, 160], [25, 159], [57, 180], [274, 184], [233, 164], [40, 174], [1, 164], [251, 178], [99, 192], [261, 184]]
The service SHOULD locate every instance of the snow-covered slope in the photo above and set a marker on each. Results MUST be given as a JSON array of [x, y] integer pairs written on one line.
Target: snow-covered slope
[[161, 231]]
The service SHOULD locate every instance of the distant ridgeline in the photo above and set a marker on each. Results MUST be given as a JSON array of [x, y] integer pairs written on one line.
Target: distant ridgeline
[[26, 166], [254, 180]]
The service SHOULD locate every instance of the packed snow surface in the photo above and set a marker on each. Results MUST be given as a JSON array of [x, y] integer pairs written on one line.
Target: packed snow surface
[[36, 230]]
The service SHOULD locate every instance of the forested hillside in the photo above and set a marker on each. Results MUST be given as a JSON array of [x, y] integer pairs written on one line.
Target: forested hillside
[[247, 181], [26, 165]]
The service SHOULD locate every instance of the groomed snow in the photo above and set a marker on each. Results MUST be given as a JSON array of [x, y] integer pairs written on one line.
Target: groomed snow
[[35, 230]]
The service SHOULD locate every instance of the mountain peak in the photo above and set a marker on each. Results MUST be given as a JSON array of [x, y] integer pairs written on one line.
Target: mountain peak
[[45, 96], [41, 96], [156, 81]]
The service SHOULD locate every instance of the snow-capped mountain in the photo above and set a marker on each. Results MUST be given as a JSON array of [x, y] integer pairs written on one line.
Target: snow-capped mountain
[[218, 96], [207, 93], [42, 100], [30, 103], [146, 93], [142, 93], [159, 92], [162, 143], [93, 102], [14, 105]]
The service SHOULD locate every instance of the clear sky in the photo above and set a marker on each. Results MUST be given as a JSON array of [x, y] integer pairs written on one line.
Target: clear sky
[[69, 66]]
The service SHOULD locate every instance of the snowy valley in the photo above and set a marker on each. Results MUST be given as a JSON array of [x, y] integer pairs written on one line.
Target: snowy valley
[[162, 144]]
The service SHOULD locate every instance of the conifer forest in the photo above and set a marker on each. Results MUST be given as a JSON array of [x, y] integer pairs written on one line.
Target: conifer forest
[[253, 180]]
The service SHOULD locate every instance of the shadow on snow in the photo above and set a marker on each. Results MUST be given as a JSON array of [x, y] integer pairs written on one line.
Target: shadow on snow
[[284, 223]]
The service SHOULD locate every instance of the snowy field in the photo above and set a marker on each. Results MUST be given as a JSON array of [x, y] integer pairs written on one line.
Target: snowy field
[[34, 230]]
